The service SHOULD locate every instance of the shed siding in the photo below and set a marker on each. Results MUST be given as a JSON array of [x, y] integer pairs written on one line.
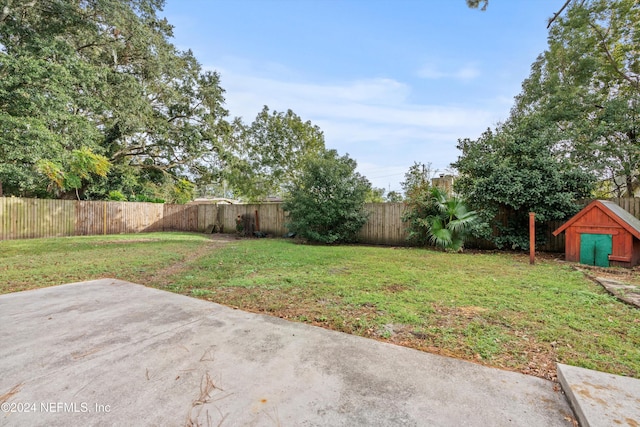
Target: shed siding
[[635, 256], [572, 245], [596, 218], [599, 218], [597, 221]]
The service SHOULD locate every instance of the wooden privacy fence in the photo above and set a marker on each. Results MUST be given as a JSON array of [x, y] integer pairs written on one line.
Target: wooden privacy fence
[[31, 218]]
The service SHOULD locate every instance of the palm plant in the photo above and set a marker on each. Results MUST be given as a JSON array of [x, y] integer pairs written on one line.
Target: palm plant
[[449, 228]]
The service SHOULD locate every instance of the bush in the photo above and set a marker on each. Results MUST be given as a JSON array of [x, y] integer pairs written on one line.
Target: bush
[[326, 201], [146, 199], [516, 170], [117, 196], [436, 218]]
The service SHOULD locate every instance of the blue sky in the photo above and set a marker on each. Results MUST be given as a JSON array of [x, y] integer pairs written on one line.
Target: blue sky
[[390, 82]]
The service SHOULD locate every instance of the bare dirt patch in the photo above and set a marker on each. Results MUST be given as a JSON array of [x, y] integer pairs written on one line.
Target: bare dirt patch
[[625, 275], [396, 287], [123, 241], [162, 277]]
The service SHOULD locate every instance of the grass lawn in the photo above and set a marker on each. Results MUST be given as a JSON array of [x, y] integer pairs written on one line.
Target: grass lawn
[[491, 308]]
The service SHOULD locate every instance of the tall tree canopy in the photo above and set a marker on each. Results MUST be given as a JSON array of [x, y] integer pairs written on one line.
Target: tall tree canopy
[[575, 122], [102, 76], [270, 153], [509, 172], [95, 101], [326, 201], [587, 86]]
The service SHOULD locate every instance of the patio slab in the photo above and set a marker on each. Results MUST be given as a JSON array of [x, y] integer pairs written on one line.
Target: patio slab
[[600, 399], [108, 352]]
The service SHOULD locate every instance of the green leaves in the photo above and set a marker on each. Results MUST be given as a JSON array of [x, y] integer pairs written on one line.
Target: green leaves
[[512, 171], [435, 217], [586, 88], [102, 77], [475, 4], [81, 166], [271, 152], [575, 122], [326, 202]]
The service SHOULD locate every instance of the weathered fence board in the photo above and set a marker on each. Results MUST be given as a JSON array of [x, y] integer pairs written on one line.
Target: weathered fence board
[[384, 226], [180, 218], [208, 221], [270, 218], [30, 218]]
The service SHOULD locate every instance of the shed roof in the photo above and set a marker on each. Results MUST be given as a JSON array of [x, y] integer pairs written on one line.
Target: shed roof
[[615, 212]]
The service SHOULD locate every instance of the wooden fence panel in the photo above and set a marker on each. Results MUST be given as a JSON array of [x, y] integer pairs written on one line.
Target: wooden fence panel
[[153, 219], [135, 217], [631, 205], [29, 218], [227, 217], [270, 217], [208, 220], [91, 218], [180, 218], [114, 217], [384, 226], [552, 243]]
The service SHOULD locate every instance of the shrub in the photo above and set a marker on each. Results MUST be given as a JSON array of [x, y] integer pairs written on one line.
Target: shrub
[[326, 201], [436, 218], [117, 196]]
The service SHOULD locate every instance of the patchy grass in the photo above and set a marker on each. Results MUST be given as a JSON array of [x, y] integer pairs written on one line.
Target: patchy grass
[[34, 263], [491, 308]]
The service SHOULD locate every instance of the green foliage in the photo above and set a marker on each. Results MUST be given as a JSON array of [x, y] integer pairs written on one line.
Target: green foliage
[[585, 87], [419, 205], [417, 179], [102, 77], [478, 4], [81, 166], [434, 217], [574, 128], [145, 198], [183, 192], [270, 153], [451, 226], [513, 171], [326, 202], [117, 196], [393, 197], [375, 195]]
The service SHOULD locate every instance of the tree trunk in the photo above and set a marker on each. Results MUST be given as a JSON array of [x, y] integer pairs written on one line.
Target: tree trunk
[[628, 191]]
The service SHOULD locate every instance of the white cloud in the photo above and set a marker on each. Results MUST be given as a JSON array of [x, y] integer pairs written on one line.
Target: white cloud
[[374, 120], [467, 72]]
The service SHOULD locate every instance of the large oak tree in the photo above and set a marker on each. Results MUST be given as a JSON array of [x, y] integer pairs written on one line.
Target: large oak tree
[[96, 100]]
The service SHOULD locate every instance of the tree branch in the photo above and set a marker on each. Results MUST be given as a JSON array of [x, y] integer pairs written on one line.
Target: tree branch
[[612, 61], [555, 16], [179, 116]]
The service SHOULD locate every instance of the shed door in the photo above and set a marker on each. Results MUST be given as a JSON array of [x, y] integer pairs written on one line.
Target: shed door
[[595, 249]]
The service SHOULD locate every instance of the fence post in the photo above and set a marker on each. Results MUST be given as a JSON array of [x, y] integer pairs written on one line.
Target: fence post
[[532, 238]]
